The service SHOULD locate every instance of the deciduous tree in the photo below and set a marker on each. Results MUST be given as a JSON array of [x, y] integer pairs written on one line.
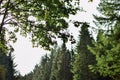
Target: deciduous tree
[[42, 20]]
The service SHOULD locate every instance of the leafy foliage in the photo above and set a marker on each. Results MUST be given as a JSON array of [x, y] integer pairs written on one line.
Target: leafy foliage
[[42, 20]]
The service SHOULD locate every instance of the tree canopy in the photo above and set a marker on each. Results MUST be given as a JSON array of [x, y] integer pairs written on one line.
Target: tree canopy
[[41, 19]]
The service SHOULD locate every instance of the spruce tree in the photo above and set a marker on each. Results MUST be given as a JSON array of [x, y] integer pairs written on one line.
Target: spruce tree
[[42, 71], [55, 53], [107, 46], [61, 63], [83, 58], [64, 67]]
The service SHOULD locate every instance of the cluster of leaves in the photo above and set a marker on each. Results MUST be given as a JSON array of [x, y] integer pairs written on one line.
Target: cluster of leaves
[[42, 20]]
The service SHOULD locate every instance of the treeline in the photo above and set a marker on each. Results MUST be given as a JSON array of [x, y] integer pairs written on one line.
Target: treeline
[[64, 64], [91, 59]]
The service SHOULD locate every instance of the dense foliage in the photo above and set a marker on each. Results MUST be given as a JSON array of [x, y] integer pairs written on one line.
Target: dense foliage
[[107, 46], [42, 20], [7, 67]]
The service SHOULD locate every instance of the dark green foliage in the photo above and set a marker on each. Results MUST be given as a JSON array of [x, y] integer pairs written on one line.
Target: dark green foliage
[[42, 71], [55, 60], [7, 62], [63, 64], [83, 58], [26, 77]]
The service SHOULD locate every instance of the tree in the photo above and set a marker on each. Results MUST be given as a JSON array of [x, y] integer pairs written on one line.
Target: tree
[[55, 66], [63, 64], [83, 58], [11, 71], [107, 47], [6, 62], [36, 18], [29, 76], [55, 58], [43, 71]]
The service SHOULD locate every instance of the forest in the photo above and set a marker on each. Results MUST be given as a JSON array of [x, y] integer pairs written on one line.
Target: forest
[[91, 58]]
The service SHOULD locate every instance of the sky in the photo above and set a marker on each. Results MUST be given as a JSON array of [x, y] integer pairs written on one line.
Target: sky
[[26, 57]]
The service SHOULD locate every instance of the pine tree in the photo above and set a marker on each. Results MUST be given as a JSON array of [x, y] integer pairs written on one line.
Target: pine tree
[[83, 58]]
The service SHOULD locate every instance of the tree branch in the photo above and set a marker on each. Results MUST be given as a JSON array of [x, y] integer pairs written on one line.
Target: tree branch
[[2, 23]]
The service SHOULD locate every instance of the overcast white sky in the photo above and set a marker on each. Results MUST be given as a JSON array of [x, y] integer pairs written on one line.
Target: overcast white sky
[[27, 57]]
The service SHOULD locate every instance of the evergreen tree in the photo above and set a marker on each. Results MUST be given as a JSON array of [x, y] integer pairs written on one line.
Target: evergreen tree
[[107, 46], [25, 77], [64, 67], [56, 66], [8, 66], [61, 64], [42, 71], [83, 58], [55, 53]]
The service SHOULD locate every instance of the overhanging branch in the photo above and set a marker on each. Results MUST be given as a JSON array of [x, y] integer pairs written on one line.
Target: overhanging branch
[[2, 23]]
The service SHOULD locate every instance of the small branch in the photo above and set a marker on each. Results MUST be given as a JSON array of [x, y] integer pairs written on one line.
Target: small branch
[[2, 23], [9, 20]]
